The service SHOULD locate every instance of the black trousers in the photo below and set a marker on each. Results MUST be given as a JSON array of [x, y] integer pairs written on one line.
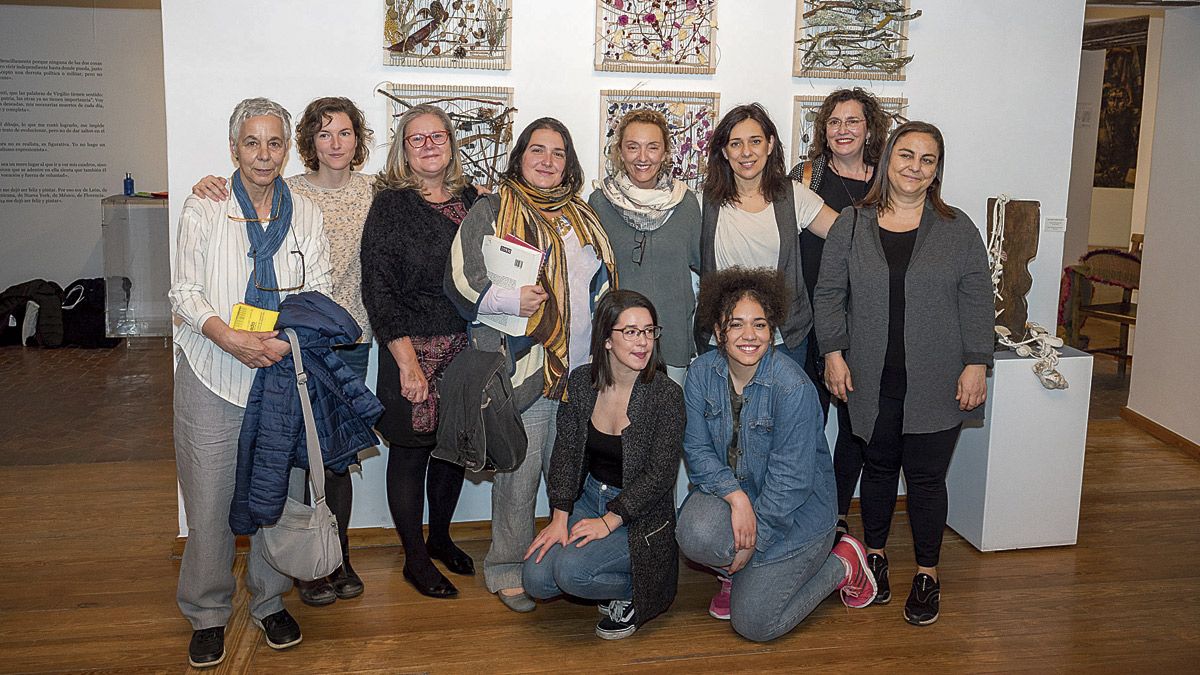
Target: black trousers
[[848, 450], [924, 458]]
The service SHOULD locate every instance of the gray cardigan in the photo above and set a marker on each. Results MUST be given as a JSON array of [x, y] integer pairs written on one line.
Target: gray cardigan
[[948, 315], [650, 450], [672, 253]]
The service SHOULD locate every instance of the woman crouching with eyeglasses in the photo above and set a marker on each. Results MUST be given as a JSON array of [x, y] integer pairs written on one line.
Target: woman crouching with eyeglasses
[[762, 512], [619, 438]]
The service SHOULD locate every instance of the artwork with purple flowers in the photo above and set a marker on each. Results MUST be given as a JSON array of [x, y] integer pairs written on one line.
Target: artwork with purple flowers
[[656, 36], [691, 116], [448, 33]]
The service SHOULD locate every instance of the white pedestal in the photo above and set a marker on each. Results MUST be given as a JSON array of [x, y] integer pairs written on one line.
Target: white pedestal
[[1015, 482]]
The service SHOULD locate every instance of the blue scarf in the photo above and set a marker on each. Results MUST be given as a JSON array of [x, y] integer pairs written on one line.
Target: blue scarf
[[264, 242]]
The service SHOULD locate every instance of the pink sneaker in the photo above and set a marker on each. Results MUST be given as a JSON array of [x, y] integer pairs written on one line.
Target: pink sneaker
[[719, 607], [858, 588]]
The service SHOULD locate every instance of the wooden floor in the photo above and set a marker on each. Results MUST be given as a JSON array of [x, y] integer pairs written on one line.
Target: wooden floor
[[89, 585]]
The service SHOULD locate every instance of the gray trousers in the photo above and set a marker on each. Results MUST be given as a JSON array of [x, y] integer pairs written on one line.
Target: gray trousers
[[514, 500], [206, 436], [766, 600]]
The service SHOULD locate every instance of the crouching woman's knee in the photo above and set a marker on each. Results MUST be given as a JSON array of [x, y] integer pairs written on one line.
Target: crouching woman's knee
[[754, 626]]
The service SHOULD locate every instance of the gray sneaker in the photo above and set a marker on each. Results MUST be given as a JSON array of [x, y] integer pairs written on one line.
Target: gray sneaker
[[620, 622]]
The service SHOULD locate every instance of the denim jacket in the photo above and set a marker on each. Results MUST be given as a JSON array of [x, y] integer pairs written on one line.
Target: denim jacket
[[785, 467]]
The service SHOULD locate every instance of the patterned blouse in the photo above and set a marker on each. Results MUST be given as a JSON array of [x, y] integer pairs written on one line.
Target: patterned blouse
[[344, 210]]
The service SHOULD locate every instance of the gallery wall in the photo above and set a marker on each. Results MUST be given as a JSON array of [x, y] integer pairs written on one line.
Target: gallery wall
[[1166, 368], [1000, 79], [82, 93]]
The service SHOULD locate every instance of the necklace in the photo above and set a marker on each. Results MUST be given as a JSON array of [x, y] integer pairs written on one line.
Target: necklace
[[846, 188], [562, 225]]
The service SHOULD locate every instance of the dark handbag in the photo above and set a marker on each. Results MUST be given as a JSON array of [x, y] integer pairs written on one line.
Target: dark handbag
[[304, 543], [479, 427]]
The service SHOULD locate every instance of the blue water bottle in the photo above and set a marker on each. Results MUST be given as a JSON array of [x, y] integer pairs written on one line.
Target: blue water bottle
[[128, 185]]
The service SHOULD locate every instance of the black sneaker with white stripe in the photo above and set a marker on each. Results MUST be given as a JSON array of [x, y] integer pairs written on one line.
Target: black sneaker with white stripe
[[620, 621]]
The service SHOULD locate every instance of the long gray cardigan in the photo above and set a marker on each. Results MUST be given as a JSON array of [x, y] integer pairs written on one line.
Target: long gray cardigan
[[948, 315], [651, 447]]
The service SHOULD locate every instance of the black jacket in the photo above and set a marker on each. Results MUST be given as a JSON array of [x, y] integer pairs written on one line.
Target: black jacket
[[651, 447]]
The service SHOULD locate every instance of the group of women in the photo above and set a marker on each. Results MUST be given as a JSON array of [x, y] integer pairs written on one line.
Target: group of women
[[849, 280]]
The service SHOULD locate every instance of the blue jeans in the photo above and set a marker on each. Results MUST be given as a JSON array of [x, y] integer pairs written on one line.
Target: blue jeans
[[767, 599], [598, 571]]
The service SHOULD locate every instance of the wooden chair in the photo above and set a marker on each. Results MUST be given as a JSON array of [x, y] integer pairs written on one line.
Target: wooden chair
[[1112, 267]]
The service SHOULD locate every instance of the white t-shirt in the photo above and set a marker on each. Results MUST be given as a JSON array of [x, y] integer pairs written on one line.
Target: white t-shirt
[[752, 239]]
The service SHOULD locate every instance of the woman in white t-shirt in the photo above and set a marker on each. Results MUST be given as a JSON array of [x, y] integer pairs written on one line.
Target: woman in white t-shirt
[[753, 215]]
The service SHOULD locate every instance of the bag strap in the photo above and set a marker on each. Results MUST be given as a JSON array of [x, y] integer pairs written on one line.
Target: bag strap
[[316, 466], [806, 174]]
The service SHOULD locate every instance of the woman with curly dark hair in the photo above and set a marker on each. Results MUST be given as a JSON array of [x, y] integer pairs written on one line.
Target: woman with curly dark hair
[[333, 140], [848, 136], [761, 512]]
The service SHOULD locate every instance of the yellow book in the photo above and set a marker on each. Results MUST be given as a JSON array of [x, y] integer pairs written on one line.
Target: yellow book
[[249, 317]]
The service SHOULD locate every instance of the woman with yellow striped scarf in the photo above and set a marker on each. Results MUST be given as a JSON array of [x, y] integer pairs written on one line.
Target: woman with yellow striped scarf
[[538, 202]]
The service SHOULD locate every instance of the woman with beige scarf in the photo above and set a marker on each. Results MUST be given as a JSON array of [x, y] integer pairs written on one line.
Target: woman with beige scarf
[[653, 223], [538, 203]]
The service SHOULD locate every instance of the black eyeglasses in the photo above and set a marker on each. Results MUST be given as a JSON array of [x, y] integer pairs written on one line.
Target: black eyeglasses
[[260, 287], [630, 333], [639, 247]]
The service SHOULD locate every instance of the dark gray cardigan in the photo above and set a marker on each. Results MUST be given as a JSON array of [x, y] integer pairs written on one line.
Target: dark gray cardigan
[[651, 447], [948, 315]]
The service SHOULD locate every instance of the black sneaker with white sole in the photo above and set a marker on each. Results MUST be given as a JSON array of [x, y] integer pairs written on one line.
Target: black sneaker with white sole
[[878, 564], [924, 601], [207, 647], [281, 630], [619, 623]]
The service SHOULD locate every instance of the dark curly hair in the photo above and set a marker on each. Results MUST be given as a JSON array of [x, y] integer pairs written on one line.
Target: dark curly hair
[[721, 291], [319, 113], [878, 123]]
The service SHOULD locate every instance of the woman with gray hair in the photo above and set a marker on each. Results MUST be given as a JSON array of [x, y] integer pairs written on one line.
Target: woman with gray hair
[[254, 249], [333, 139], [421, 197]]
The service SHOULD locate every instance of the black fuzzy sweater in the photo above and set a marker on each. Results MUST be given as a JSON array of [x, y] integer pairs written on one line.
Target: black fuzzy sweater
[[405, 245]]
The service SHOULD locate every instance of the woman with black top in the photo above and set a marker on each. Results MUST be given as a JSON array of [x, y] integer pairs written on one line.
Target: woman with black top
[[848, 136], [904, 314], [619, 440], [421, 198]]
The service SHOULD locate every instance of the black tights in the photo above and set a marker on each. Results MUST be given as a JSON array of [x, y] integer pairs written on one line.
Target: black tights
[[410, 473], [339, 496], [925, 458]]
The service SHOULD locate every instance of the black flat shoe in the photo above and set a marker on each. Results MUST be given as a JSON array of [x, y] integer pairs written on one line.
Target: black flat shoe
[[454, 558], [440, 588], [316, 593], [346, 582]]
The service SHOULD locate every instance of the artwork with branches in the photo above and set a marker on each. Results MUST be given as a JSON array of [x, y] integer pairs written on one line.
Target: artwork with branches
[[448, 33], [804, 115], [852, 39], [656, 36], [483, 120], [691, 117]]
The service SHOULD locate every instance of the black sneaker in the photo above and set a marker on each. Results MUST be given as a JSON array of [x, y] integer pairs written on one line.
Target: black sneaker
[[924, 601], [878, 564], [207, 648], [619, 623], [281, 630]]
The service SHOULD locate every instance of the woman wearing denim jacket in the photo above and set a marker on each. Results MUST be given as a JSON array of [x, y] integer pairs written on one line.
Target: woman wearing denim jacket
[[762, 511]]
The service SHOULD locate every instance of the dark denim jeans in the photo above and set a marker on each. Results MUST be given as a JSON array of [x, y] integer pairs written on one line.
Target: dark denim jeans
[[598, 571]]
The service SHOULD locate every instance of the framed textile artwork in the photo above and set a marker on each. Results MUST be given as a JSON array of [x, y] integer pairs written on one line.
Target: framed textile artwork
[[656, 36], [483, 117], [859, 40], [804, 113], [448, 33], [691, 117]]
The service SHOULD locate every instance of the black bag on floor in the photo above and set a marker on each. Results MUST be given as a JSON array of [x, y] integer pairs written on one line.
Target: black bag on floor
[[48, 296], [83, 314]]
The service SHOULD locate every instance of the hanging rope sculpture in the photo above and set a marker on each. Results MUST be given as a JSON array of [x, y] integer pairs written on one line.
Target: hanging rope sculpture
[[1038, 343]]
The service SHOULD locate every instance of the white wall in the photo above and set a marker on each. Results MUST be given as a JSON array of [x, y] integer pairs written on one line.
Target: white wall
[[1083, 154], [1000, 80], [61, 242], [1166, 367]]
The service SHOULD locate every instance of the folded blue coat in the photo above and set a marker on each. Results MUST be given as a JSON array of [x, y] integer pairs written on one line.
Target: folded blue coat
[[273, 439]]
